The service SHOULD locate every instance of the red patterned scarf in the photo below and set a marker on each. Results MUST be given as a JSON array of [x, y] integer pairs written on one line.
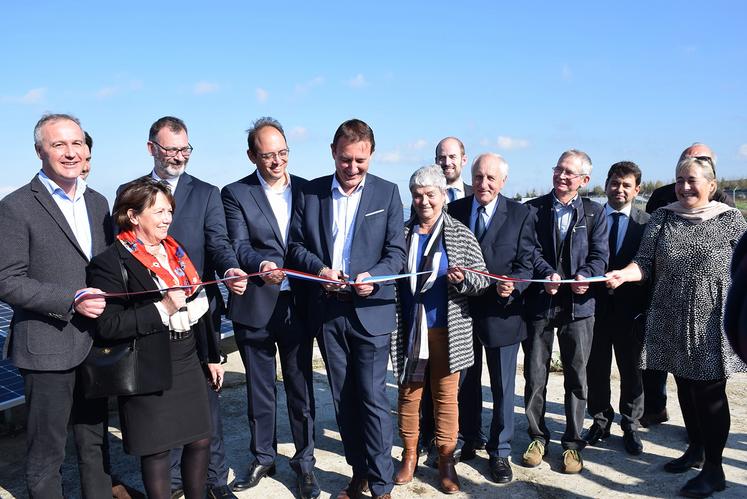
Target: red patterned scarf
[[180, 264]]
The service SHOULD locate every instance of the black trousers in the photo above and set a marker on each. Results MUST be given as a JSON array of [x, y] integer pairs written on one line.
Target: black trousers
[[654, 391], [357, 368], [574, 339], [611, 333], [283, 333], [54, 398], [705, 410]]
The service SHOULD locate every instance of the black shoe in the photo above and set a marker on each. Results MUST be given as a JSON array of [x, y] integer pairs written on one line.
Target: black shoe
[[651, 419], [500, 470], [177, 493], [692, 458], [595, 433], [255, 473], [432, 460], [308, 487], [220, 492], [468, 452], [708, 481], [632, 442]]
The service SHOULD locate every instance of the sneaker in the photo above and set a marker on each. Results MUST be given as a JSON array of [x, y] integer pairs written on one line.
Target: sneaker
[[572, 462], [534, 453]]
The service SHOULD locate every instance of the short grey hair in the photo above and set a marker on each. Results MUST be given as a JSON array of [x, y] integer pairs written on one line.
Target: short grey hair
[[581, 155], [428, 176], [51, 118], [706, 166], [502, 163]]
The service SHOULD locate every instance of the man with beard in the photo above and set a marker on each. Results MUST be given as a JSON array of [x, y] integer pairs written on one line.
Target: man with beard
[[199, 225], [451, 158]]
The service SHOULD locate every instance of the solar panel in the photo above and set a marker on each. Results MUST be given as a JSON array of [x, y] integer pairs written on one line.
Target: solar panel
[[11, 382]]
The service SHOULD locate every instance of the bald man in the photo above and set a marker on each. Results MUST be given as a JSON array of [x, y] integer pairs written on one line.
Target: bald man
[[450, 156]]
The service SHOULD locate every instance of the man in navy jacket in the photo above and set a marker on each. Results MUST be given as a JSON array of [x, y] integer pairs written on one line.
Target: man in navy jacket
[[508, 246], [572, 237]]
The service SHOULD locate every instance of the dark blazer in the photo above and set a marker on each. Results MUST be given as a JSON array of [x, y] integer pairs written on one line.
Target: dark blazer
[[378, 246], [665, 195], [137, 316], [41, 268], [467, 190], [589, 252], [630, 299], [255, 236], [508, 247]]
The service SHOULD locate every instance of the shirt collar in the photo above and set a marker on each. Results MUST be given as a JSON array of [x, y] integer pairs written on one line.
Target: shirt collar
[[54, 188], [609, 210], [268, 187], [458, 185], [489, 208], [556, 202], [171, 181], [337, 187]]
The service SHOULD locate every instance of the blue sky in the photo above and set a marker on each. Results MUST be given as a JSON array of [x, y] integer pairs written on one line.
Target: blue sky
[[625, 81]]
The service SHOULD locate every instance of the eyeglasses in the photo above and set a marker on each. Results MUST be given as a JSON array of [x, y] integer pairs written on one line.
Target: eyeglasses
[[173, 151], [267, 156], [569, 174]]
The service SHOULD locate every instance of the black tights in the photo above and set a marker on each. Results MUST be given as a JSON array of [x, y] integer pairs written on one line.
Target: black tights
[[157, 477], [705, 410]]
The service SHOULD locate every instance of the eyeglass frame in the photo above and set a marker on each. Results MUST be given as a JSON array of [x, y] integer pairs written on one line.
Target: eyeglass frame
[[556, 170], [272, 156], [173, 152]]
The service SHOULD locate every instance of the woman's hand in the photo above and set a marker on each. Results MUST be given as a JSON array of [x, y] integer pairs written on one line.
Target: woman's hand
[[216, 375], [455, 275], [615, 278], [174, 300]]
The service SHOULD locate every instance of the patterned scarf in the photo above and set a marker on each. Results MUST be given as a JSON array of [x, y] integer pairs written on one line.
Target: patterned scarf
[[416, 339], [182, 273]]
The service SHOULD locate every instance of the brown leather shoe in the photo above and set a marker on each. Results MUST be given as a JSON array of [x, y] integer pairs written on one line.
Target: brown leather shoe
[[446, 471], [385, 496], [354, 489], [409, 463]]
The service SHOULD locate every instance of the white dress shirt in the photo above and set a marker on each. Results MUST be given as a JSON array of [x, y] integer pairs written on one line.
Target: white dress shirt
[[622, 224], [344, 208], [74, 210], [280, 199], [171, 181]]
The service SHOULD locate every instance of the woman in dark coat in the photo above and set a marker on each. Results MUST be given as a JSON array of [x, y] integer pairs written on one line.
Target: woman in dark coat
[[167, 324]]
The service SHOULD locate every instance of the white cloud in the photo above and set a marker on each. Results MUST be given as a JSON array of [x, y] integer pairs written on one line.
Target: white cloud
[[303, 88], [262, 94], [566, 73], [358, 81], [105, 92], [33, 96], [112, 90], [205, 87], [390, 157], [509, 143], [743, 151], [7, 189], [298, 133], [419, 144]]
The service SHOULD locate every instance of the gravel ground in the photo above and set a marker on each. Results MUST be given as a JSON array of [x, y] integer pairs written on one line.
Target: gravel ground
[[609, 472]]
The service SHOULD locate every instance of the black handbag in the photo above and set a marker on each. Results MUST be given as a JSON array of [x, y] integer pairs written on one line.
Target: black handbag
[[127, 367]]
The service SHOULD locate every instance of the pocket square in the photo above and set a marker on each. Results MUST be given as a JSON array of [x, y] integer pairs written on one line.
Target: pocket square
[[373, 212]]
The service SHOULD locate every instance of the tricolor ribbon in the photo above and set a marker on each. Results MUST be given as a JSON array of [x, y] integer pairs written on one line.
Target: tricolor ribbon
[[505, 278]]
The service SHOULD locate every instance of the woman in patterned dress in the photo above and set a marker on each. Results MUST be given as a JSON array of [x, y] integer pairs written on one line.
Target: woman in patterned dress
[[685, 252]]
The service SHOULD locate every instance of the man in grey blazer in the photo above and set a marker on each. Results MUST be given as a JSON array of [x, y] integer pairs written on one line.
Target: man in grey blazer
[[50, 229]]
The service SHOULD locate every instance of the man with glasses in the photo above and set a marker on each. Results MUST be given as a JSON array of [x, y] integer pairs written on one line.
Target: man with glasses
[[572, 237], [655, 382], [199, 225], [266, 318]]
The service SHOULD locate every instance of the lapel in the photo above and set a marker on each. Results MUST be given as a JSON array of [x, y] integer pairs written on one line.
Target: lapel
[[258, 193], [98, 241], [325, 208], [135, 270], [45, 199], [183, 188], [631, 238], [364, 205], [497, 220]]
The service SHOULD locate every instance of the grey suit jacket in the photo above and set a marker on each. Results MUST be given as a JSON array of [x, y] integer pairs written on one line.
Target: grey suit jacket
[[41, 268]]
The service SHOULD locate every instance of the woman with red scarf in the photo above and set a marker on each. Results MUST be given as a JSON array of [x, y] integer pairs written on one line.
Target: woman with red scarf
[[164, 323]]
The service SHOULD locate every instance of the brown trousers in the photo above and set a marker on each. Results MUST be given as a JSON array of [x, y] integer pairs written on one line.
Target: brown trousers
[[445, 389]]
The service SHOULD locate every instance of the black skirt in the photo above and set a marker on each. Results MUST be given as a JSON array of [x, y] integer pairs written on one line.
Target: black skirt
[[160, 421]]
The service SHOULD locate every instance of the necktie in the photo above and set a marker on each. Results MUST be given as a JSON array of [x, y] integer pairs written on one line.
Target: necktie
[[613, 232], [452, 194], [480, 223]]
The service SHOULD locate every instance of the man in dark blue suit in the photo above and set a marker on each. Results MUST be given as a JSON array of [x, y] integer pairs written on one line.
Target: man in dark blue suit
[[199, 224], [265, 318], [616, 315], [572, 236], [350, 225], [505, 230]]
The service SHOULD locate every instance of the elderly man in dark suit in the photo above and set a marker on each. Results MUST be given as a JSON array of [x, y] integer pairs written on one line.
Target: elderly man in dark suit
[[505, 230], [51, 228], [349, 225], [572, 237], [199, 224], [616, 313], [265, 319]]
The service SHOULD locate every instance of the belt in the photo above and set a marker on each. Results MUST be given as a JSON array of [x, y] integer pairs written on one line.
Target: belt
[[180, 335], [344, 296]]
